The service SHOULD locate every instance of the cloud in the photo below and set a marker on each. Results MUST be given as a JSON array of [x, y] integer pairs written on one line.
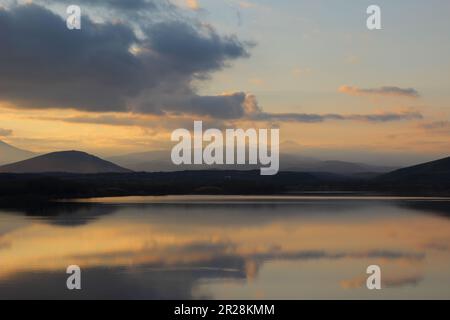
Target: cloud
[[113, 67], [441, 127], [375, 254], [106, 119], [255, 113], [5, 132], [193, 4], [436, 129], [88, 70], [314, 118], [436, 245], [246, 113], [382, 91], [95, 69], [190, 49]]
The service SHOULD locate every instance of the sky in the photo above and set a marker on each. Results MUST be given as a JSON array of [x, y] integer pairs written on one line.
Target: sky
[[138, 69]]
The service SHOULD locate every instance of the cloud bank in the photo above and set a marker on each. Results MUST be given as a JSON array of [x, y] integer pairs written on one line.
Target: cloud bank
[[96, 68], [150, 69]]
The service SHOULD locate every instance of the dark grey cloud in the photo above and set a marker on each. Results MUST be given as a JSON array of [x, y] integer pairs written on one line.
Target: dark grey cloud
[[224, 106], [5, 132], [46, 65], [189, 51], [382, 91], [94, 69]]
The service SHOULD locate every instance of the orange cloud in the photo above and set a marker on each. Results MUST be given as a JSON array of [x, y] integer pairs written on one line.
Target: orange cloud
[[193, 4]]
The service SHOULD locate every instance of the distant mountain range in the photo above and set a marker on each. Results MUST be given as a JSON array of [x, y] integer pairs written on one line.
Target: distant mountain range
[[63, 175], [17, 160], [9, 154], [65, 161], [159, 161]]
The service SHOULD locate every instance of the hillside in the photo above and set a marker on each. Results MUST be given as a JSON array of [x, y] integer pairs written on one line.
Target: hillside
[[9, 153], [434, 175], [65, 161]]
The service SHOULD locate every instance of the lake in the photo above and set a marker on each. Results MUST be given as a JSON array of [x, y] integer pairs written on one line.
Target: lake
[[227, 247]]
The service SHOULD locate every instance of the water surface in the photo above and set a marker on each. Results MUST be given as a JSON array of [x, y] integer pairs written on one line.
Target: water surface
[[194, 247]]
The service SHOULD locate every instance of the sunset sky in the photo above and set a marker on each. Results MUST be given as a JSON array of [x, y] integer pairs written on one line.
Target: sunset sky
[[139, 69]]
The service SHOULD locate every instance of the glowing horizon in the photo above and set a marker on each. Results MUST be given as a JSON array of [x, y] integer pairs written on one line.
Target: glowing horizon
[[335, 89]]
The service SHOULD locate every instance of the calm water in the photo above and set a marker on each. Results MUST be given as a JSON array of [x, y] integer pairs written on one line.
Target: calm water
[[228, 248]]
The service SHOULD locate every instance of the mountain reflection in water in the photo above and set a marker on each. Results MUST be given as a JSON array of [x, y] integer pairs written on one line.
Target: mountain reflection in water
[[227, 248]]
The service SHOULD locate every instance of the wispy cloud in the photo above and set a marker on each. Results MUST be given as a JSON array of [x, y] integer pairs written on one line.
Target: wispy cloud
[[312, 117], [435, 130], [437, 126], [5, 132], [382, 91], [177, 120]]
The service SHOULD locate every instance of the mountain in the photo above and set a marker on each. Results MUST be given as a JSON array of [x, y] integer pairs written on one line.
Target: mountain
[[338, 167], [9, 154], [429, 179], [429, 176], [438, 170], [159, 161], [65, 161], [151, 161]]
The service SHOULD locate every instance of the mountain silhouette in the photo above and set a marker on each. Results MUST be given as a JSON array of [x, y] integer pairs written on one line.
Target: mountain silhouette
[[9, 154], [429, 175], [428, 179], [65, 161], [159, 161]]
